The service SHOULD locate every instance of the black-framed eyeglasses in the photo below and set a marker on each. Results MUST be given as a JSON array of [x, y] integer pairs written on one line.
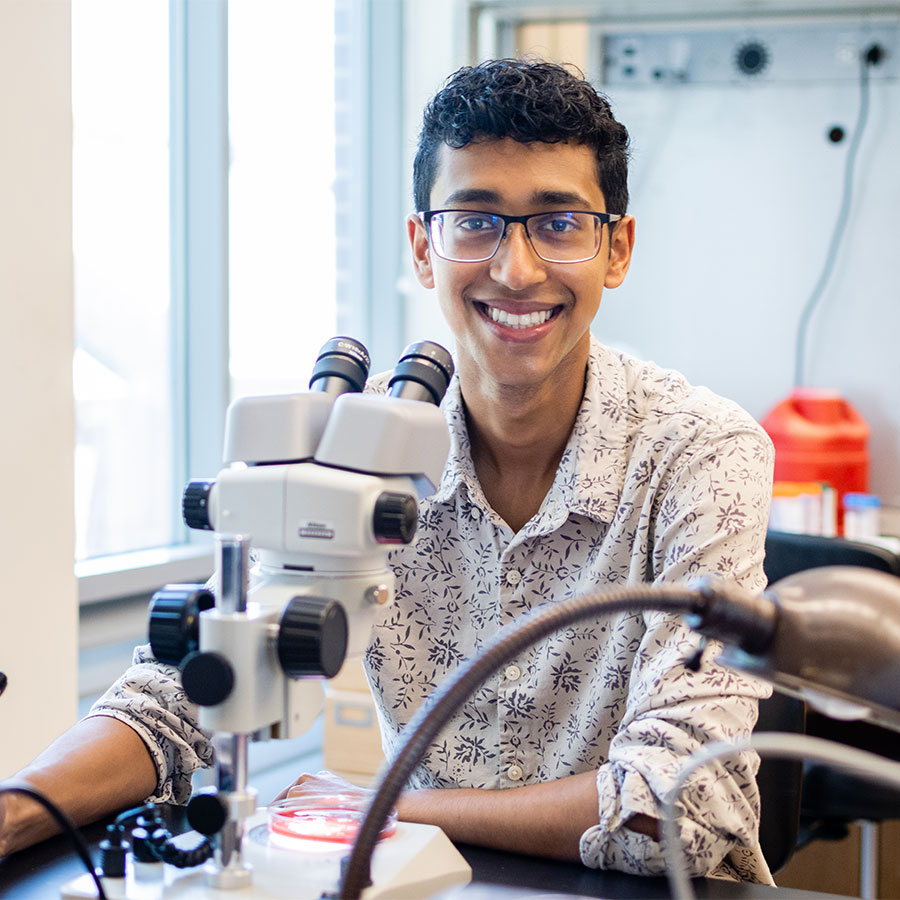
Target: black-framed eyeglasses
[[468, 235]]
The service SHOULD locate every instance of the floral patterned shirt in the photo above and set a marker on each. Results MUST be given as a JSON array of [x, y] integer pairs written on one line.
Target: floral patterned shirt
[[660, 482]]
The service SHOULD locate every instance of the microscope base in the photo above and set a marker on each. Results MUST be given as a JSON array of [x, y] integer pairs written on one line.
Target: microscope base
[[418, 861]]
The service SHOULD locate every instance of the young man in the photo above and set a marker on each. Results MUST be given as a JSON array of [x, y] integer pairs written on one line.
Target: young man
[[572, 467]]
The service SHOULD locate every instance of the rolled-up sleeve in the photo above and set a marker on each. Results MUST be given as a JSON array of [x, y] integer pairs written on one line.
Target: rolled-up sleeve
[[150, 699], [672, 713]]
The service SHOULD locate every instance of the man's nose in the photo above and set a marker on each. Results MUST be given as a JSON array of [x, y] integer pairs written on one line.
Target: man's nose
[[515, 264]]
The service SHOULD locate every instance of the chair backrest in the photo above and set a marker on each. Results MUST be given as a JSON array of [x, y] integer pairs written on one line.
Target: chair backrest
[[788, 553], [780, 781]]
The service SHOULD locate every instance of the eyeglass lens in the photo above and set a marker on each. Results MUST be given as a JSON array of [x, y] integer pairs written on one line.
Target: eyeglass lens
[[467, 236]]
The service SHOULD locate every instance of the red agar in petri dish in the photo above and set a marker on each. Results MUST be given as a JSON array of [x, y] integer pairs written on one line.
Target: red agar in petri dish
[[335, 819]]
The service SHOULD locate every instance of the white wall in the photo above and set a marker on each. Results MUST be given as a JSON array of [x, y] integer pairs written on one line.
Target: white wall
[[38, 608], [736, 191]]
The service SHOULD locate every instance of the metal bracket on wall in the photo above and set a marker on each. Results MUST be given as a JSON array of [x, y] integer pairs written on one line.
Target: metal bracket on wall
[[768, 54]]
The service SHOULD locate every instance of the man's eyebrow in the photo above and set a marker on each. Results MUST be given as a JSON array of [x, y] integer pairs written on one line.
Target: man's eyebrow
[[566, 199], [558, 199], [473, 195]]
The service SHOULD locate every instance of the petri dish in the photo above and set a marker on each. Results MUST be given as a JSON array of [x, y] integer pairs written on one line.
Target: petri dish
[[332, 818]]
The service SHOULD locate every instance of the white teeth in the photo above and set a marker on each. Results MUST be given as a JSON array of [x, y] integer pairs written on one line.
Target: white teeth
[[510, 320]]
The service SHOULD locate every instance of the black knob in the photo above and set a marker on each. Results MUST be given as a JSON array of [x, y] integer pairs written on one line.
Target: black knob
[[207, 678], [312, 637], [113, 852], [143, 847], [195, 504], [395, 518], [207, 813], [174, 628]]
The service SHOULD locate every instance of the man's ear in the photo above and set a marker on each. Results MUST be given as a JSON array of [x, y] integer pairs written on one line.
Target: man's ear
[[621, 244], [421, 252]]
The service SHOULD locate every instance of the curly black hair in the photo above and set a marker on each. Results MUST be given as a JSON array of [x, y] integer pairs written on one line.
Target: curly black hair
[[528, 101]]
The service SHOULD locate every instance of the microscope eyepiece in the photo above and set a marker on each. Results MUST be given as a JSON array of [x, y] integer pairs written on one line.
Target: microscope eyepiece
[[342, 366], [423, 373]]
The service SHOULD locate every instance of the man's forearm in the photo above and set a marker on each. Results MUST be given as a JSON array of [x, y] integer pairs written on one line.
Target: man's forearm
[[545, 819], [98, 766]]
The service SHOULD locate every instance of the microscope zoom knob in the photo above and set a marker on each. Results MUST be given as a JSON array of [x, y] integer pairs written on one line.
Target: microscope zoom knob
[[312, 637], [395, 518], [175, 620], [207, 678], [195, 504], [207, 813]]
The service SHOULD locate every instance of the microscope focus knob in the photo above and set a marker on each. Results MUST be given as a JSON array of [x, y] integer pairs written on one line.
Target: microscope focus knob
[[175, 620], [395, 518], [207, 677], [195, 504], [312, 637], [207, 812]]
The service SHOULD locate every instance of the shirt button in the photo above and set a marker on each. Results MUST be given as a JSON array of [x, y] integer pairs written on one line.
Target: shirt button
[[513, 576], [513, 673], [514, 773]]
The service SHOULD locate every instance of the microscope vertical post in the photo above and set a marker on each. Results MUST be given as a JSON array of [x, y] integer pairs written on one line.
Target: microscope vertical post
[[227, 869]]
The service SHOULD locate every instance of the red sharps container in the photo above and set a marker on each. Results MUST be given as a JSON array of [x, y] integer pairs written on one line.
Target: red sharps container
[[819, 436]]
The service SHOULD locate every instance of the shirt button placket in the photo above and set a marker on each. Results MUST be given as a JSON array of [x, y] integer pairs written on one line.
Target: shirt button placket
[[511, 675]]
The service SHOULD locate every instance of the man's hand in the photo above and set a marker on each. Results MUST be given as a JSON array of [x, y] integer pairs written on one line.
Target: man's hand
[[323, 782]]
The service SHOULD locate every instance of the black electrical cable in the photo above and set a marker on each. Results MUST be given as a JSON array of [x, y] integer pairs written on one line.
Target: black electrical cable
[[161, 843], [61, 819], [145, 809], [871, 57], [511, 640], [184, 857]]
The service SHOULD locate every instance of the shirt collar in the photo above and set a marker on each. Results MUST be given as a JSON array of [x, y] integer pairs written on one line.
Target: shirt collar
[[591, 473]]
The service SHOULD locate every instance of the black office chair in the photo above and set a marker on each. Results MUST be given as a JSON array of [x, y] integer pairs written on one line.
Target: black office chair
[[780, 781], [831, 800]]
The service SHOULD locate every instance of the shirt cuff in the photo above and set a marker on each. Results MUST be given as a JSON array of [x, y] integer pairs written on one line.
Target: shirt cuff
[[624, 793]]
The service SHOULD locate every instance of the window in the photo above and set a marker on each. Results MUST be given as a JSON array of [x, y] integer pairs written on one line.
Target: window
[[220, 149], [282, 237], [124, 461], [229, 161]]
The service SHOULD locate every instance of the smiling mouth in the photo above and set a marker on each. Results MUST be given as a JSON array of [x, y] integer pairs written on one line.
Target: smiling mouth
[[512, 320]]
